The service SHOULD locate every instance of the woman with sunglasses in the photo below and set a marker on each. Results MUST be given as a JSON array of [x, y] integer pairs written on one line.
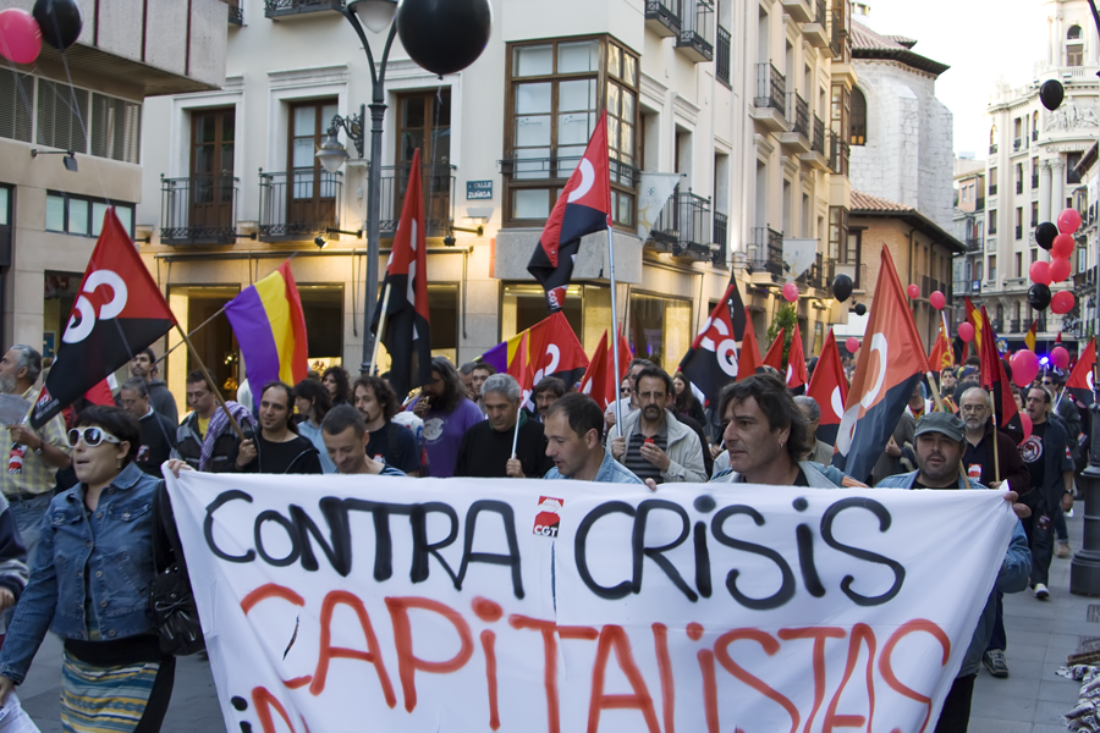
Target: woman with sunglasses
[[90, 586]]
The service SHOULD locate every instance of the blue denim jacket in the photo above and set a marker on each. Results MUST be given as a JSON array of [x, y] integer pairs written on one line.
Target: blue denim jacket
[[611, 472], [119, 562]]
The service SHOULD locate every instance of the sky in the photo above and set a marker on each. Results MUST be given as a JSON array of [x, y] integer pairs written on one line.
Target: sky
[[984, 41]]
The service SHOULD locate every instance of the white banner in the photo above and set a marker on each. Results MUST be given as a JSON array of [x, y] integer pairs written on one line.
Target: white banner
[[653, 193], [374, 603]]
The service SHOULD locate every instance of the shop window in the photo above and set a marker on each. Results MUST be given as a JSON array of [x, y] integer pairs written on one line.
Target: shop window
[[214, 342], [660, 328], [525, 305], [323, 309], [445, 313]]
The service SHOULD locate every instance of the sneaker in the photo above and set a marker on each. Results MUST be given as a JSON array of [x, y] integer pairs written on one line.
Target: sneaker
[[994, 661], [1063, 550], [1041, 591]]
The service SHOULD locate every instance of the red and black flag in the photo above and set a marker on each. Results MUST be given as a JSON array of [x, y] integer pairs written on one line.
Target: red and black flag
[[829, 387], [599, 381], [797, 375], [407, 333], [584, 207], [118, 312], [711, 362], [774, 357], [1081, 380], [995, 378], [891, 363]]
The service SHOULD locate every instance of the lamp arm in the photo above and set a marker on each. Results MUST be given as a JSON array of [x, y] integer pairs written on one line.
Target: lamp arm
[[350, 15], [385, 60]]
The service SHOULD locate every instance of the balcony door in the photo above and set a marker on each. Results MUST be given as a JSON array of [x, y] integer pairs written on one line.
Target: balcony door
[[311, 193], [212, 144], [424, 122]]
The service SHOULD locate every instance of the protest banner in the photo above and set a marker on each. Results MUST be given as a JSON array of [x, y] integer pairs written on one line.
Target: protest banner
[[344, 603]]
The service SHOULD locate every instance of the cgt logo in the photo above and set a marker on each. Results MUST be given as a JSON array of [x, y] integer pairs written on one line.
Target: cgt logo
[[76, 331], [548, 518]]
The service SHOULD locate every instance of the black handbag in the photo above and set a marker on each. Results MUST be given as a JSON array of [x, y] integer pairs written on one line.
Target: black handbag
[[170, 596]]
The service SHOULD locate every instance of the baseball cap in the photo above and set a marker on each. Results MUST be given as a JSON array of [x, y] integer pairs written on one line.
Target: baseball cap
[[942, 422]]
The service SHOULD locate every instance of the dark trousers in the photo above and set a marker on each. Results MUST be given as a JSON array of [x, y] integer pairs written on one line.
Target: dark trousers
[[998, 642], [1060, 528], [955, 716], [1041, 542]]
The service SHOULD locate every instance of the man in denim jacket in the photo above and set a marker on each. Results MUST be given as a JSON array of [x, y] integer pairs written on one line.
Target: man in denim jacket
[[940, 443]]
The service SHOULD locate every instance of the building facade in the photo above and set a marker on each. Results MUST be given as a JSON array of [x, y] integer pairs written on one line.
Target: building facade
[[1032, 172], [747, 100], [88, 101], [969, 228]]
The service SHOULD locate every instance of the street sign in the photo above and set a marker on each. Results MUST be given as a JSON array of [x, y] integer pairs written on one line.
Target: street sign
[[479, 190]]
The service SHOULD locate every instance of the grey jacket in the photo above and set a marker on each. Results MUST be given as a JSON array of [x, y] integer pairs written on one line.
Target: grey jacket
[[817, 475], [684, 450]]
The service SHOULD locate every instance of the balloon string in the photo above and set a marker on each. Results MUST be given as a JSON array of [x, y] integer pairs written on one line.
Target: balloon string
[[80, 120]]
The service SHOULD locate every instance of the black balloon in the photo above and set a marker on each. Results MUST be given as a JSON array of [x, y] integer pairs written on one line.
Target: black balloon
[[861, 309], [842, 287], [1038, 296], [444, 36], [60, 20], [1051, 94], [1045, 234]]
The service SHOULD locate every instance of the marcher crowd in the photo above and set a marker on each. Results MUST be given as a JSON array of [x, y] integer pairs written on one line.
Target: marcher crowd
[[76, 529]]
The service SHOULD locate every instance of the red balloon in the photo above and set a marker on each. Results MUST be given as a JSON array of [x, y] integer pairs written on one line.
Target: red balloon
[[1025, 367], [1025, 421], [790, 292], [1062, 303], [1069, 221], [1059, 269], [966, 332], [1063, 246], [853, 344], [937, 300], [20, 36], [913, 290], [1040, 272], [1059, 357]]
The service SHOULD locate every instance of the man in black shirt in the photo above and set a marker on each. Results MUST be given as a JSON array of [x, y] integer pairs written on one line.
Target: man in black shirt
[[486, 449], [277, 448], [391, 444], [158, 433]]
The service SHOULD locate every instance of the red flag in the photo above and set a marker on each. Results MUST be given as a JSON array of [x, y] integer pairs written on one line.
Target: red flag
[[942, 356], [774, 357], [119, 312], [891, 363], [100, 394], [829, 387], [599, 381], [749, 359], [407, 334], [995, 378], [1081, 380], [711, 362], [555, 350], [520, 368], [796, 361], [583, 207]]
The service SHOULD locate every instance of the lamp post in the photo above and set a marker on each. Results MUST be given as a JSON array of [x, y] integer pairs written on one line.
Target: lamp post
[[376, 15]]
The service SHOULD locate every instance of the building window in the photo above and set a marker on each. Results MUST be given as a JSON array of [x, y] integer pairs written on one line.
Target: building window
[[660, 328], [16, 106], [209, 202], [1034, 214], [116, 129], [83, 215], [312, 193], [1072, 176], [992, 181], [859, 117], [1075, 52], [61, 112], [424, 122], [838, 233], [556, 90], [1019, 264], [992, 267], [993, 221], [840, 114]]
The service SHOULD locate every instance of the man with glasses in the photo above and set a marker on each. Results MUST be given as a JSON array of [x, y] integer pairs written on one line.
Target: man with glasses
[[626, 393], [158, 433]]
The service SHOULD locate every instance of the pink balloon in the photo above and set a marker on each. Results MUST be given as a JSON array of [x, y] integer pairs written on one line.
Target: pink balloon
[[852, 344], [1040, 272], [20, 36], [1062, 303], [1025, 421], [1063, 246], [937, 300], [1025, 367], [1069, 221], [913, 290], [966, 332], [790, 292], [1059, 357], [1059, 269]]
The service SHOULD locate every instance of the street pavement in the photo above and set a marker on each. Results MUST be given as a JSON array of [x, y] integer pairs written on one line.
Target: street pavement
[[1032, 700]]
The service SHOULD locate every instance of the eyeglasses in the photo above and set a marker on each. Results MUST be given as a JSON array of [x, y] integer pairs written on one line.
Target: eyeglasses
[[92, 436], [624, 390]]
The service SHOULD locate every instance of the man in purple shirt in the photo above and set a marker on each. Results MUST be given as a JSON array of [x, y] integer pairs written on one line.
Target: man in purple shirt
[[447, 413]]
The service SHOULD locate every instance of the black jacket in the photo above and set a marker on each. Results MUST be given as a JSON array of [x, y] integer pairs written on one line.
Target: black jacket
[[158, 440], [189, 446], [485, 452]]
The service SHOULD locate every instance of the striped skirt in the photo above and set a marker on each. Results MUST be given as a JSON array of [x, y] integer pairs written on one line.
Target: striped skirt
[[98, 699]]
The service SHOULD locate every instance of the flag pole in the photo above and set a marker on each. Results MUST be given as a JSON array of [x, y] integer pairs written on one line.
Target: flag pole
[[615, 326], [996, 453], [210, 382], [381, 327]]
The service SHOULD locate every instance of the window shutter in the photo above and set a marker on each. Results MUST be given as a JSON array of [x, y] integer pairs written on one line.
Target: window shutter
[[62, 116], [116, 128], [16, 100]]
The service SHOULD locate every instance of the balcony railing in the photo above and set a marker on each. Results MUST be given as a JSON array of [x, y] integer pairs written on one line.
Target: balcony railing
[[684, 226], [1072, 176], [1016, 144], [198, 210], [822, 12], [765, 252], [236, 12], [1019, 231], [299, 205], [559, 169], [771, 87], [814, 276], [1034, 134], [282, 8], [839, 33], [993, 189], [722, 57], [979, 205], [696, 37], [838, 155], [798, 112], [721, 238], [1014, 325], [1020, 186], [993, 149], [1040, 324], [1034, 181], [818, 143], [973, 244], [438, 181], [663, 16]]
